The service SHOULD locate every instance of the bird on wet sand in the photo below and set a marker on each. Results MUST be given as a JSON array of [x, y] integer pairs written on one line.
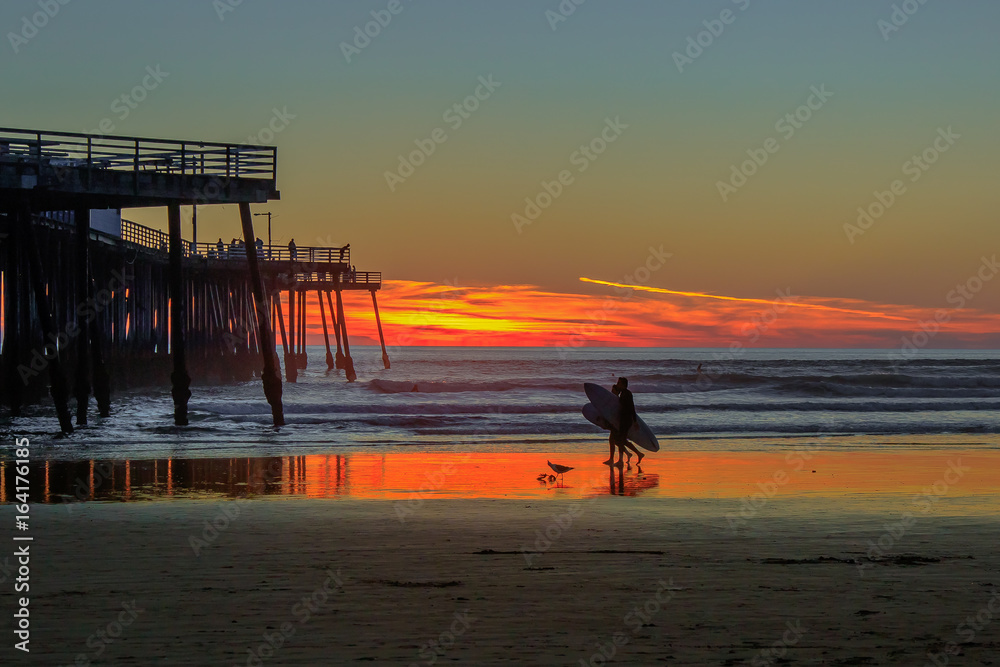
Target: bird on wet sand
[[558, 469]]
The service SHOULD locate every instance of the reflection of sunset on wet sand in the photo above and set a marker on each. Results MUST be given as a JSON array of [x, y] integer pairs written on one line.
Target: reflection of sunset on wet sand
[[847, 477]]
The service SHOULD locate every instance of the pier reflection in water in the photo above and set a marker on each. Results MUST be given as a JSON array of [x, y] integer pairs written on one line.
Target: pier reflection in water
[[392, 476]]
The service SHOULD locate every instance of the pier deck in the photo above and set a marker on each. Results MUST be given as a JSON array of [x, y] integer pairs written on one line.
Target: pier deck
[[63, 171]]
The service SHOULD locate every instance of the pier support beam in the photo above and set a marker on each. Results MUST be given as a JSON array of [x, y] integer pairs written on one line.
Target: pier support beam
[[291, 363], [270, 376], [82, 219], [281, 327], [12, 334], [302, 357], [102, 380], [348, 362], [330, 362], [57, 379], [274, 320], [178, 310], [339, 361], [381, 338]]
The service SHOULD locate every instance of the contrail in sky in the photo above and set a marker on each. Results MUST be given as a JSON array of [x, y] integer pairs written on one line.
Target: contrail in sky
[[700, 295]]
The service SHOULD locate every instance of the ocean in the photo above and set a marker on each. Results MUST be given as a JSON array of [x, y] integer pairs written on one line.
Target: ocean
[[518, 399]]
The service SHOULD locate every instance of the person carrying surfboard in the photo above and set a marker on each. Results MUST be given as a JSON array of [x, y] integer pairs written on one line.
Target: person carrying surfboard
[[627, 417]]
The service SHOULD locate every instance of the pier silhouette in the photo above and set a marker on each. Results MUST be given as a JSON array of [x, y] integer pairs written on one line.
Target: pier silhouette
[[134, 305]]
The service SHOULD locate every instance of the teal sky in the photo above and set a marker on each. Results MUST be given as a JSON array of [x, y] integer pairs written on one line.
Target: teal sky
[[656, 186]]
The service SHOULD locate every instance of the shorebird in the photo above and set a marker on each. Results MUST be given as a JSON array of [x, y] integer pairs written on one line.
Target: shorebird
[[558, 469]]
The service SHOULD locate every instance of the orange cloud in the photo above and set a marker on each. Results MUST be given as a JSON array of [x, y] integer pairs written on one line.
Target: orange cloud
[[423, 313]]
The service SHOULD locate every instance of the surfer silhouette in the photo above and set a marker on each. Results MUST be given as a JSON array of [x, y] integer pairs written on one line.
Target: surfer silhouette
[[627, 417]]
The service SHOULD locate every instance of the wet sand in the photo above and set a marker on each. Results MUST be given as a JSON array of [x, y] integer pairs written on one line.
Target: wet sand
[[653, 579], [863, 480]]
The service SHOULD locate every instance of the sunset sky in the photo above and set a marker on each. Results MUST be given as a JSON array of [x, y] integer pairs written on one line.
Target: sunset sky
[[461, 267], [416, 313]]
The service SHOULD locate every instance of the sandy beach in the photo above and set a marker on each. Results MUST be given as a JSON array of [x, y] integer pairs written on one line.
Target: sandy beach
[[493, 581]]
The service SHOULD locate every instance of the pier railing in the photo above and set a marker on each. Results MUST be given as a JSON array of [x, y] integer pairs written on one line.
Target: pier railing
[[144, 236], [362, 278], [349, 278], [155, 240], [139, 155], [276, 253]]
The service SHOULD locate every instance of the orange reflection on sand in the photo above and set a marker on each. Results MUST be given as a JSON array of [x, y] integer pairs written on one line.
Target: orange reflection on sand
[[696, 475], [957, 482], [447, 475]]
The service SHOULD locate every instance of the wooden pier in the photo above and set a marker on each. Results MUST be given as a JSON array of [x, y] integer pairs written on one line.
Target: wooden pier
[[150, 307]]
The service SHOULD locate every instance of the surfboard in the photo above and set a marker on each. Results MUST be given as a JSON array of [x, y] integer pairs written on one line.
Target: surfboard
[[640, 434], [606, 407], [595, 418]]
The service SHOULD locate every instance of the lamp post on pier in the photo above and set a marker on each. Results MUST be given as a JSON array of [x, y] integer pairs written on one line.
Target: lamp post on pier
[[268, 214]]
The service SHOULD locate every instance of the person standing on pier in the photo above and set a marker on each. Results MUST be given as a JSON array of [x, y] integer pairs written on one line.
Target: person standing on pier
[[260, 247], [293, 250], [220, 246]]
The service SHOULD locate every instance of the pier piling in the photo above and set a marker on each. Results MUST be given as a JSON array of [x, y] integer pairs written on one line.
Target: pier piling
[[348, 361], [284, 338], [339, 359], [381, 338], [82, 219], [180, 380], [270, 376], [50, 338], [13, 318], [330, 362], [101, 377], [302, 359], [291, 361]]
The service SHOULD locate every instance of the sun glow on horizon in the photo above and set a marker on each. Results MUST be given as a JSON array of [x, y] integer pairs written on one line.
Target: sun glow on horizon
[[425, 313]]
